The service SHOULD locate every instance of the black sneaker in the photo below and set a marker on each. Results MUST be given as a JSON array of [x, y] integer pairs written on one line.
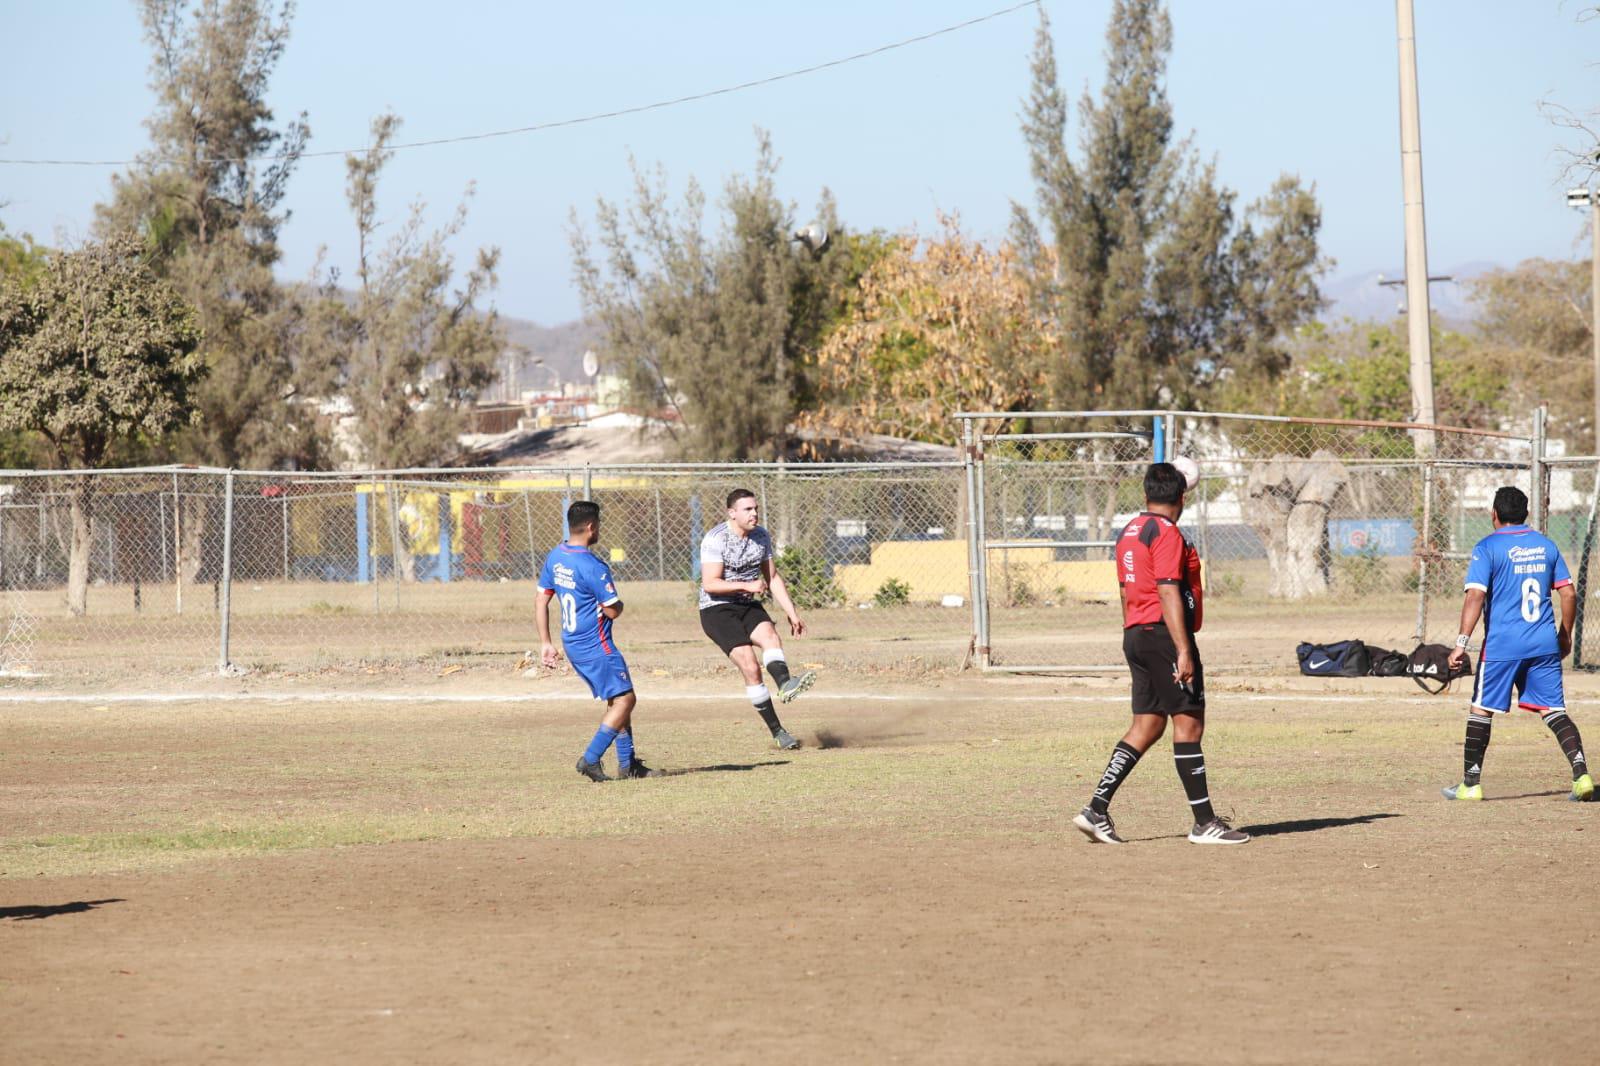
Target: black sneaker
[[637, 768], [785, 740], [592, 770], [1217, 831], [1097, 827]]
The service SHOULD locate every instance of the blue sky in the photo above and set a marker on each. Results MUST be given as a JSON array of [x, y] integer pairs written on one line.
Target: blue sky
[[1264, 86]]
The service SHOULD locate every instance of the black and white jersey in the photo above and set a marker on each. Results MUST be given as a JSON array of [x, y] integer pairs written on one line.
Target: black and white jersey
[[741, 559]]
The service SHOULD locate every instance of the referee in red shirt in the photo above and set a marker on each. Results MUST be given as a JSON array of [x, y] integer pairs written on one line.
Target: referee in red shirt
[[1158, 578]]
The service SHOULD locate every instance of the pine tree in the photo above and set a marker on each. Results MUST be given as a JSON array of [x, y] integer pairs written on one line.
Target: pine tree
[[1158, 289], [208, 197]]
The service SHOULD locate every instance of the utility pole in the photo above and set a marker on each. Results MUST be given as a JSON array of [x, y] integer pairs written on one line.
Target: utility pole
[[1419, 318], [1591, 199]]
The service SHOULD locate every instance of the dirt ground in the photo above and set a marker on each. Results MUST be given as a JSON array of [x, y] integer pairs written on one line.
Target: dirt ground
[[309, 879]]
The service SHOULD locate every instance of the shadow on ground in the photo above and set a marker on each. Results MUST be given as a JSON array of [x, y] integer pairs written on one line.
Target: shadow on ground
[[1312, 825], [723, 768], [28, 914], [1529, 795]]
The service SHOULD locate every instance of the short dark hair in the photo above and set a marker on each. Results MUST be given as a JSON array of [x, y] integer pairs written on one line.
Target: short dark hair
[[582, 514], [1163, 483], [739, 494], [1511, 505]]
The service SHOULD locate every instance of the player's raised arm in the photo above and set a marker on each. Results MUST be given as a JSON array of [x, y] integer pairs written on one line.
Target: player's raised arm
[[780, 595]]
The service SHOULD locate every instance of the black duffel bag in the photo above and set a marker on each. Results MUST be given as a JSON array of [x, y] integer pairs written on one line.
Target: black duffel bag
[[1386, 663], [1429, 666], [1346, 658]]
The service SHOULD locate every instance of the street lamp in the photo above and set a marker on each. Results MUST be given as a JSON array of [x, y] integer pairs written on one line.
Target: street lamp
[[1591, 199]]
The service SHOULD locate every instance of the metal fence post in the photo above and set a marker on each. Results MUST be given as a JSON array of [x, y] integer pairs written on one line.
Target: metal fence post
[[1536, 493], [588, 482], [661, 547], [974, 589], [177, 546], [527, 520], [1427, 547], [286, 534], [394, 538], [227, 569]]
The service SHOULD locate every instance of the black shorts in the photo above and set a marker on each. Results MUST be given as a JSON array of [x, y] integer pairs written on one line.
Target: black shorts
[[730, 625], [1152, 657]]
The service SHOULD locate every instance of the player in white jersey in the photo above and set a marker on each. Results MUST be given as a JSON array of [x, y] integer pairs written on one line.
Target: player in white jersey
[[736, 570]]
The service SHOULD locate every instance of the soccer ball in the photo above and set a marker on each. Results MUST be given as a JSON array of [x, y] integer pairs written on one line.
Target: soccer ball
[[1189, 469]]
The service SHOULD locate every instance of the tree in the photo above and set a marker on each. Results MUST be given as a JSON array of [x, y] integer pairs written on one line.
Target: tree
[[99, 353], [1536, 325], [1157, 287], [937, 325], [720, 330], [208, 198], [408, 354]]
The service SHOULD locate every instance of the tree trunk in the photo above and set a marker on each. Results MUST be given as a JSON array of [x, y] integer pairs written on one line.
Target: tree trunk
[[81, 509], [191, 546], [1292, 499]]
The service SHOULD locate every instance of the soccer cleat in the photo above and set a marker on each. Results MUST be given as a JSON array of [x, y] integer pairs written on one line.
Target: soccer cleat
[[785, 740], [592, 770], [796, 685], [1097, 827], [1465, 791], [1217, 831], [1582, 790], [637, 769]]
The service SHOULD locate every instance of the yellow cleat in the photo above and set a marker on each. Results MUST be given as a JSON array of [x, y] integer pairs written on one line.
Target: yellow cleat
[[1465, 791], [1583, 789]]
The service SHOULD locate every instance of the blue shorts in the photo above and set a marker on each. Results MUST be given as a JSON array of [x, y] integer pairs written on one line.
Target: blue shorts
[[606, 673], [1537, 681]]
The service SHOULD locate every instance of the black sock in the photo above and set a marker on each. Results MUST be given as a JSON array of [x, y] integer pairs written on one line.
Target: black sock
[[1192, 772], [1566, 731], [769, 715], [1476, 746], [779, 669], [1123, 757]]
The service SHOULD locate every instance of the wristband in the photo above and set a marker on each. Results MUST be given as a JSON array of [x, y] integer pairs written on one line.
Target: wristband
[[1461, 640]]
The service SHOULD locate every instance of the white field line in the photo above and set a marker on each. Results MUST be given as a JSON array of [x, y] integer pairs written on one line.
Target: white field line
[[1222, 698]]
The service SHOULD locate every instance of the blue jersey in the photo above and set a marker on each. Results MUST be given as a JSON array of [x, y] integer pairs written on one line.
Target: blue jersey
[[1516, 567], [582, 585]]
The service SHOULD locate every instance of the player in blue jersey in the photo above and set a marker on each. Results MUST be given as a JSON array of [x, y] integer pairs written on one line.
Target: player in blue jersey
[[1511, 577], [583, 588]]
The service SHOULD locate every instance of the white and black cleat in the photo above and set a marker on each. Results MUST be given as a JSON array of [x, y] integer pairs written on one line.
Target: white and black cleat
[[785, 740], [1217, 831], [1097, 827]]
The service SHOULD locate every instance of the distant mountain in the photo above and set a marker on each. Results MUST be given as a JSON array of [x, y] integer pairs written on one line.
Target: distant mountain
[[1361, 297]]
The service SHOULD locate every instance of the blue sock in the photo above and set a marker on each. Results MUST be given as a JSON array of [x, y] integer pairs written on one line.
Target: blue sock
[[597, 747], [624, 750]]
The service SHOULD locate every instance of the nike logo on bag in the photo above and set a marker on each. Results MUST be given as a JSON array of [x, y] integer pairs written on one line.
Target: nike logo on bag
[[1315, 663]]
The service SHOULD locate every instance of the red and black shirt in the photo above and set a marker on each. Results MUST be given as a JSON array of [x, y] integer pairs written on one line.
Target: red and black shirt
[[1151, 552]]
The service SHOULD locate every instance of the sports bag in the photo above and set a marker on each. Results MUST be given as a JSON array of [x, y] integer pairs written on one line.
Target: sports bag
[[1386, 663], [1429, 666], [1347, 658]]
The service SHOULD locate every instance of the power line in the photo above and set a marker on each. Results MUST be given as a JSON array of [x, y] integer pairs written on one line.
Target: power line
[[558, 123]]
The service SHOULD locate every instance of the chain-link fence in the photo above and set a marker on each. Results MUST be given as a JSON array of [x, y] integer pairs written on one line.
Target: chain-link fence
[[179, 568], [1309, 530]]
